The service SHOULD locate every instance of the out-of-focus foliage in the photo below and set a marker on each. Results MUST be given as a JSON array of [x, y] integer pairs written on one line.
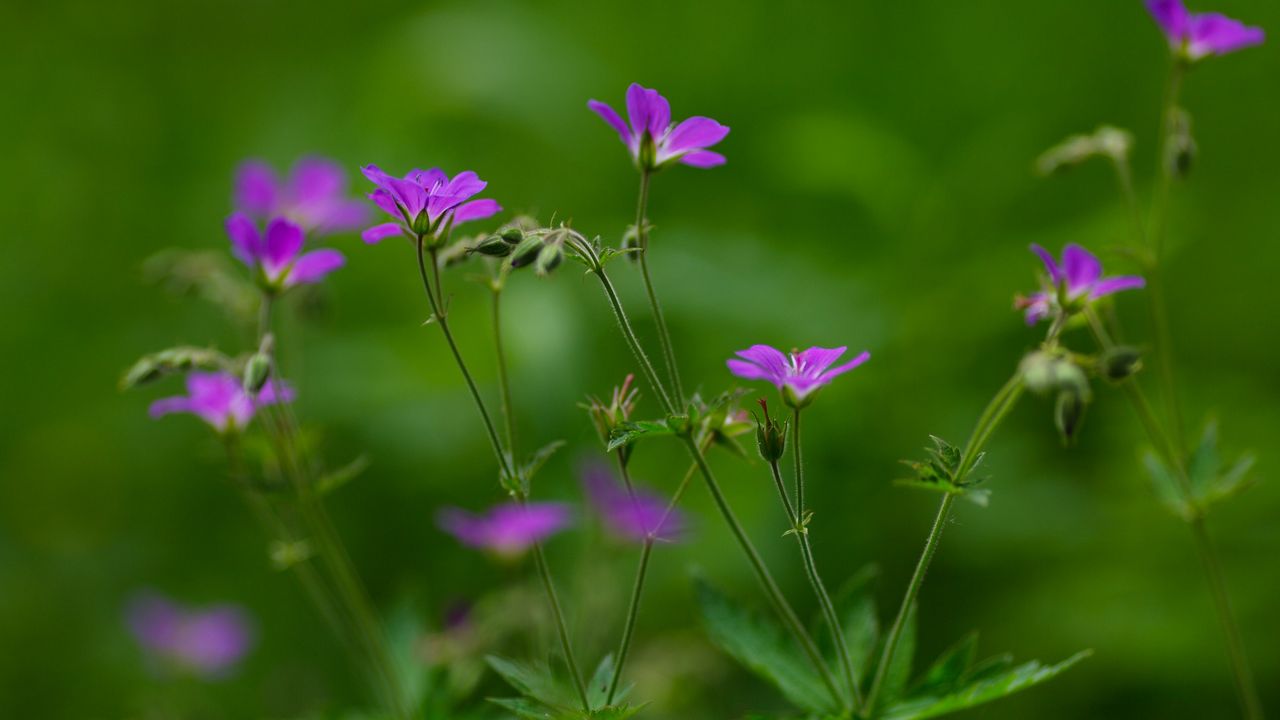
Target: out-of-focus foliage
[[880, 191]]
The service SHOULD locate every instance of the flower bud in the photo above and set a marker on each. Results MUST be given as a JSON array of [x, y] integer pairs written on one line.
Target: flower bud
[[771, 437], [1121, 362], [256, 372], [1068, 414], [1044, 372], [526, 252], [493, 246], [512, 235], [1182, 144], [422, 223], [549, 258]]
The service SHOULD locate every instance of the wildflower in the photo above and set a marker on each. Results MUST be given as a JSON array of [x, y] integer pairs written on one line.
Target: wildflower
[[1196, 35], [654, 141], [1078, 280], [425, 202], [508, 529], [636, 515], [314, 195], [208, 643], [796, 374], [220, 399], [277, 253]]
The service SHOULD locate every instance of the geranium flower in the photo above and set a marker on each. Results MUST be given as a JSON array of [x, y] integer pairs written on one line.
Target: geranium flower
[[654, 141], [508, 529], [425, 201], [635, 516], [796, 374], [219, 398], [278, 252], [208, 642], [1080, 278], [314, 195], [1196, 35]]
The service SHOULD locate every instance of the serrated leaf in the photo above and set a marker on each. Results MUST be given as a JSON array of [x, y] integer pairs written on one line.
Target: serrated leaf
[[531, 709], [1165, 485], [949, 669], [598, 687], [343, 475], [982, 691], [1230, 483], [762, 647], [615, 712], [629, 432], [532, 681], [988, 668]]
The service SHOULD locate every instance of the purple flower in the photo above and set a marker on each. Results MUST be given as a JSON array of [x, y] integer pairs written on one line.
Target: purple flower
[[278, 252], [634, 516], [314, 195], [508, 529], [425, 201], [797, 374], [1196, 35], [208, 642], [653, 140], [1079, 277], [219, 399]]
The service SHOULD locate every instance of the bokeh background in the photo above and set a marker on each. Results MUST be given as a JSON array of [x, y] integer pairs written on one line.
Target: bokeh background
[[879, 193]]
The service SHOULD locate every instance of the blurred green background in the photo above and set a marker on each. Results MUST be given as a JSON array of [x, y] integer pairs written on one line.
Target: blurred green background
[[879, 194]]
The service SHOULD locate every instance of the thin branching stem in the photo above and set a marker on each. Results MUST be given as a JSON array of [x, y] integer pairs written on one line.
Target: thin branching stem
[[659, 320]]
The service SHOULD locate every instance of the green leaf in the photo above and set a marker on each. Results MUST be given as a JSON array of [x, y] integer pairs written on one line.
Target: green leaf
[[598, 687], [856, 608], [538, 459], [948, 670], [343, 475], [1165, 485], [153, 367], [532, 681], [1230, 483], [629, 432], [533, 710], [615, 712], [988, 668], [762, 647], [895, 681], [981, 691]]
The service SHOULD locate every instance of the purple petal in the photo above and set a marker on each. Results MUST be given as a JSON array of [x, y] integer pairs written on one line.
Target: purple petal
[[467, 528], [255, 192], [283, 242], [1050, 264], [275, 392], [611, 116], [165, 406], [459, 189], [638, 109], [429, 179], [313, 266], [211, 642], [659, 114], [1111, 285], [762, 363], [386, 203], [154, 621], [702, 159], [842, 369], [476, 210], [815, 360], [694, 134], [377, 233], [1212, 33], [375, 175], [1080, 267], [634, 516], [1172, 17], [246, 244], [1037, 307], [342, 216], [316, 181], [509, 528]]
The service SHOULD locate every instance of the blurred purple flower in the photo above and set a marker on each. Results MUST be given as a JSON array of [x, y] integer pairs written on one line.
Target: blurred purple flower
[[1081, 272], [278, 252], [314, 195], [1199, 34], [508, 529], [653, 140], [635, 516], [796, 373], [425, 201], [208, 643], [219, 398]]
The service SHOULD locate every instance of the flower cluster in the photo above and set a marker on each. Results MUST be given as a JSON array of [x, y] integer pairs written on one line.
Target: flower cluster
[[208, 643]]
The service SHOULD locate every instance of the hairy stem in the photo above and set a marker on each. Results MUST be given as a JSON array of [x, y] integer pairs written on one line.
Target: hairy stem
[[990, 418], [504, 382], [659, 320]]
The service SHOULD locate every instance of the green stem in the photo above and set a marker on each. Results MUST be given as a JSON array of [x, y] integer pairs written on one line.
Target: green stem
[[562, 628], [990, 418], [798, 454], [819, 589], [504, 383], [1242, 673], [772, 591], [628, 333], [664, 336]]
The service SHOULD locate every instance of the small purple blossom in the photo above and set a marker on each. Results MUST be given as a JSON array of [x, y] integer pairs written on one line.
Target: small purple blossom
[[425, 201], [208, 643], [797, 374], [314, 195], [1079, 276], [508, 529], [634, 516], [220, 399], [278, 252], [653, 140], [1196, 35]]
